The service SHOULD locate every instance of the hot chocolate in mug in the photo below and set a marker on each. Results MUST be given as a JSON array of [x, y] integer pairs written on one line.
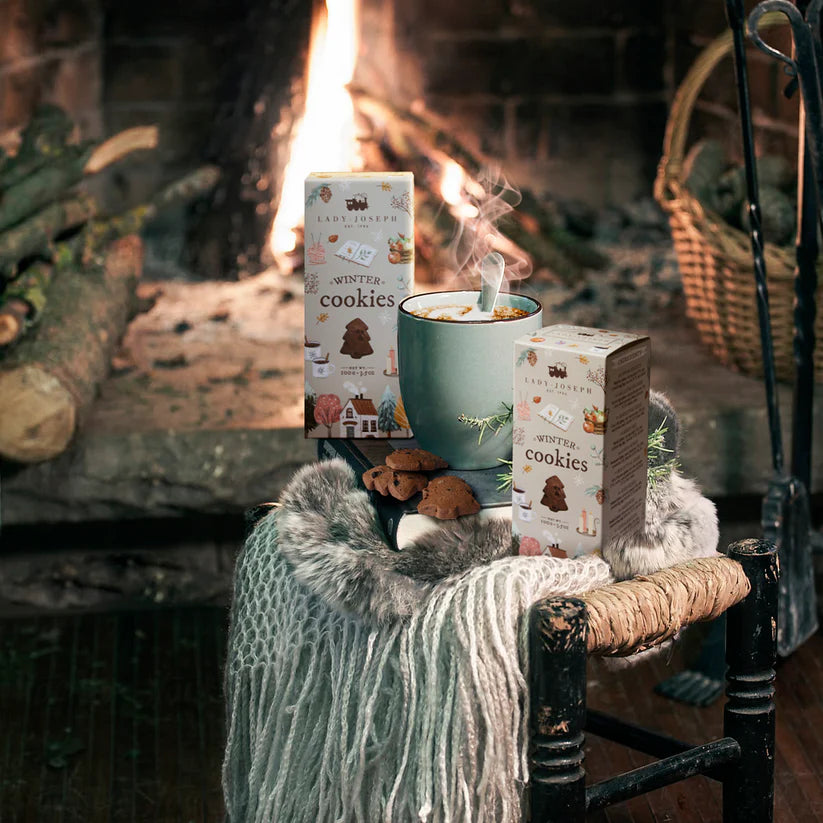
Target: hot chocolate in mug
[[455, 361], [322, 368], [312, 351]]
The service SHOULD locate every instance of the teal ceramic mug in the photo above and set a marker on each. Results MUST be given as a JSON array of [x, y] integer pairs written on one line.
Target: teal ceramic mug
[[449, 368]]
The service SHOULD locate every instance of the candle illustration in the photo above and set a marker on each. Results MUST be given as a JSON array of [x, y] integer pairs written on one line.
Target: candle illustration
[[391, 363], [587, 524]]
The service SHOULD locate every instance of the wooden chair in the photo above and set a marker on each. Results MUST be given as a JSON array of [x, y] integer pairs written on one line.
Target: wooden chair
[[633, 615]]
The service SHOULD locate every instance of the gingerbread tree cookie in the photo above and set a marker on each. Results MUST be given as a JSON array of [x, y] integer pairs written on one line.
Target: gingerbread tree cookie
[[356, 340], [554, 495]]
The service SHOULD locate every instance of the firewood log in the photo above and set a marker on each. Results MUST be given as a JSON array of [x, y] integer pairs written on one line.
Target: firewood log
[[52, 376], [43, 186], [23, 302], [39, 230], [53, 172], [99, 233], [117, 147], [42, 140], [416, 141], [14, 315]]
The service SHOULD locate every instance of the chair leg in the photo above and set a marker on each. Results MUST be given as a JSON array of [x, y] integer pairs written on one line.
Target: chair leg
[[557, 665], [751, 649]]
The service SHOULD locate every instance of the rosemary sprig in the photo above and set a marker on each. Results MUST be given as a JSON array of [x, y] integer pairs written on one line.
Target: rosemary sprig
[[493, 423], [505, 478], [656, 449]]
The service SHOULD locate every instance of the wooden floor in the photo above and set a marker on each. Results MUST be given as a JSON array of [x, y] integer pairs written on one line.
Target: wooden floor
[[112, 717], [119, 717]]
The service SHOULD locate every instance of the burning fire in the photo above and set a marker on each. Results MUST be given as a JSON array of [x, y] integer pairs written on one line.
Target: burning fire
[[325, 139], [453, 185]]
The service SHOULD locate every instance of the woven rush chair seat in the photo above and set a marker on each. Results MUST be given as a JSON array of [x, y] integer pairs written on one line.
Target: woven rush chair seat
[[634, 615], [628, 617]]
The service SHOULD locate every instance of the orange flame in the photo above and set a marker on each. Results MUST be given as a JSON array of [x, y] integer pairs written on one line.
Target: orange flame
[[452, 187], [325, 139]]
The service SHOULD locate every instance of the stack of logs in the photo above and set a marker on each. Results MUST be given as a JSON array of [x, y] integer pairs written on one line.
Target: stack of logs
[[420, 142], [67, 278]]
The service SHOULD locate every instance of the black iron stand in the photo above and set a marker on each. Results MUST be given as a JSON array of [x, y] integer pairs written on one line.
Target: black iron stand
[[786, 514]]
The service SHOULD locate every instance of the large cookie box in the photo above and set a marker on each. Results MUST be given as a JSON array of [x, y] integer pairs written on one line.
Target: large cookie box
[[359, 266]]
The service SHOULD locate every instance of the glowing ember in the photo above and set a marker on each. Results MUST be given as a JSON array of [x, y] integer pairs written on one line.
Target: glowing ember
[[325, 138], [452, 188]]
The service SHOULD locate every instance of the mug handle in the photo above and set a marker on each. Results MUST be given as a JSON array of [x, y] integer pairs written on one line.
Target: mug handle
[[332, 368]]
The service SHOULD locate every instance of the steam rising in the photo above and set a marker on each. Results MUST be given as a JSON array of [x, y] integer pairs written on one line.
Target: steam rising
[[491, 198]]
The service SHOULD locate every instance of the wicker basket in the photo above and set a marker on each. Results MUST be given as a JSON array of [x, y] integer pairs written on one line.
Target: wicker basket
[[715, 259]]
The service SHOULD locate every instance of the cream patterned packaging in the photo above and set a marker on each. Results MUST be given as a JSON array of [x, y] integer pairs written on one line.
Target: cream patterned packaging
[[579, 466], [359, 266]]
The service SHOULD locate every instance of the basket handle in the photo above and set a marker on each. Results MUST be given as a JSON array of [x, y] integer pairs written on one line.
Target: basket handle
[[677, 127]]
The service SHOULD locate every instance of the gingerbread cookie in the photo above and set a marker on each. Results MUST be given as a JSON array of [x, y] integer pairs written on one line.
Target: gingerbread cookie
[[415, 460], [448, 497], [377, 479], [554, 494], [403, 485], [356, 340]]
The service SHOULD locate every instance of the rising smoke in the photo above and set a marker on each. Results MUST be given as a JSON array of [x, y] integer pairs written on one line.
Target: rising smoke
[[494, 198]]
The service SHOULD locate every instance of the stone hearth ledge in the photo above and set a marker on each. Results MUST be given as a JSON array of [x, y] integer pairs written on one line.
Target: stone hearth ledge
[[203, 412]]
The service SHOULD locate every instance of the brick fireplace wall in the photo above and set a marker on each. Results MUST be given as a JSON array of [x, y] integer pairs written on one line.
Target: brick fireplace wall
[[573, 97], [51, 52]]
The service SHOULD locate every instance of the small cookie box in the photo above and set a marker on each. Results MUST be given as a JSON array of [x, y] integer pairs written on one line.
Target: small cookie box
[[579, 465], [359, 266]]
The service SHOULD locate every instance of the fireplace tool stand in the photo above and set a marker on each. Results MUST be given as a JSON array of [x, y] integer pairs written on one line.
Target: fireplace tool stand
[[785, 514]]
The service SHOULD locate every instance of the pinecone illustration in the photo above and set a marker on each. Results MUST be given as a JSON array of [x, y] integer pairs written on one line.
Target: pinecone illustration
[[325, 194], [532, 358], [600, 496]]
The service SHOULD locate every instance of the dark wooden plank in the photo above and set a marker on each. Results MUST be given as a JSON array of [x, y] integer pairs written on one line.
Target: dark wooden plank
[[801, 701], [91, 778], [698, 798], [44, 654], [17, 677], [214, 626], [144, 721], [691, 801], [72, 733], [122, 708], [608, 693]]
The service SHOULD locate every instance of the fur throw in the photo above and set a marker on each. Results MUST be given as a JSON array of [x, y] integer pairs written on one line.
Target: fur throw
[[331, 536]]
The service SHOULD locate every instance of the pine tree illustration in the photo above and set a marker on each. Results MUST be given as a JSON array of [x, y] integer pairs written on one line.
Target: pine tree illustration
[[385, 412], [310, 398]]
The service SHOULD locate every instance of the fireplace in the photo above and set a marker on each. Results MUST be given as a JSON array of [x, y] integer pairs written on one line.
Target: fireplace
[[206, 394], [570, 99]]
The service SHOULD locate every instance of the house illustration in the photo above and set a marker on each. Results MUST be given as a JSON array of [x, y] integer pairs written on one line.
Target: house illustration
[[359, 417]]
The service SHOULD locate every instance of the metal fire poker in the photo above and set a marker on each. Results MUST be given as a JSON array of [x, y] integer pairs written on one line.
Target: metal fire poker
[[786, 517], [804, 66]]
